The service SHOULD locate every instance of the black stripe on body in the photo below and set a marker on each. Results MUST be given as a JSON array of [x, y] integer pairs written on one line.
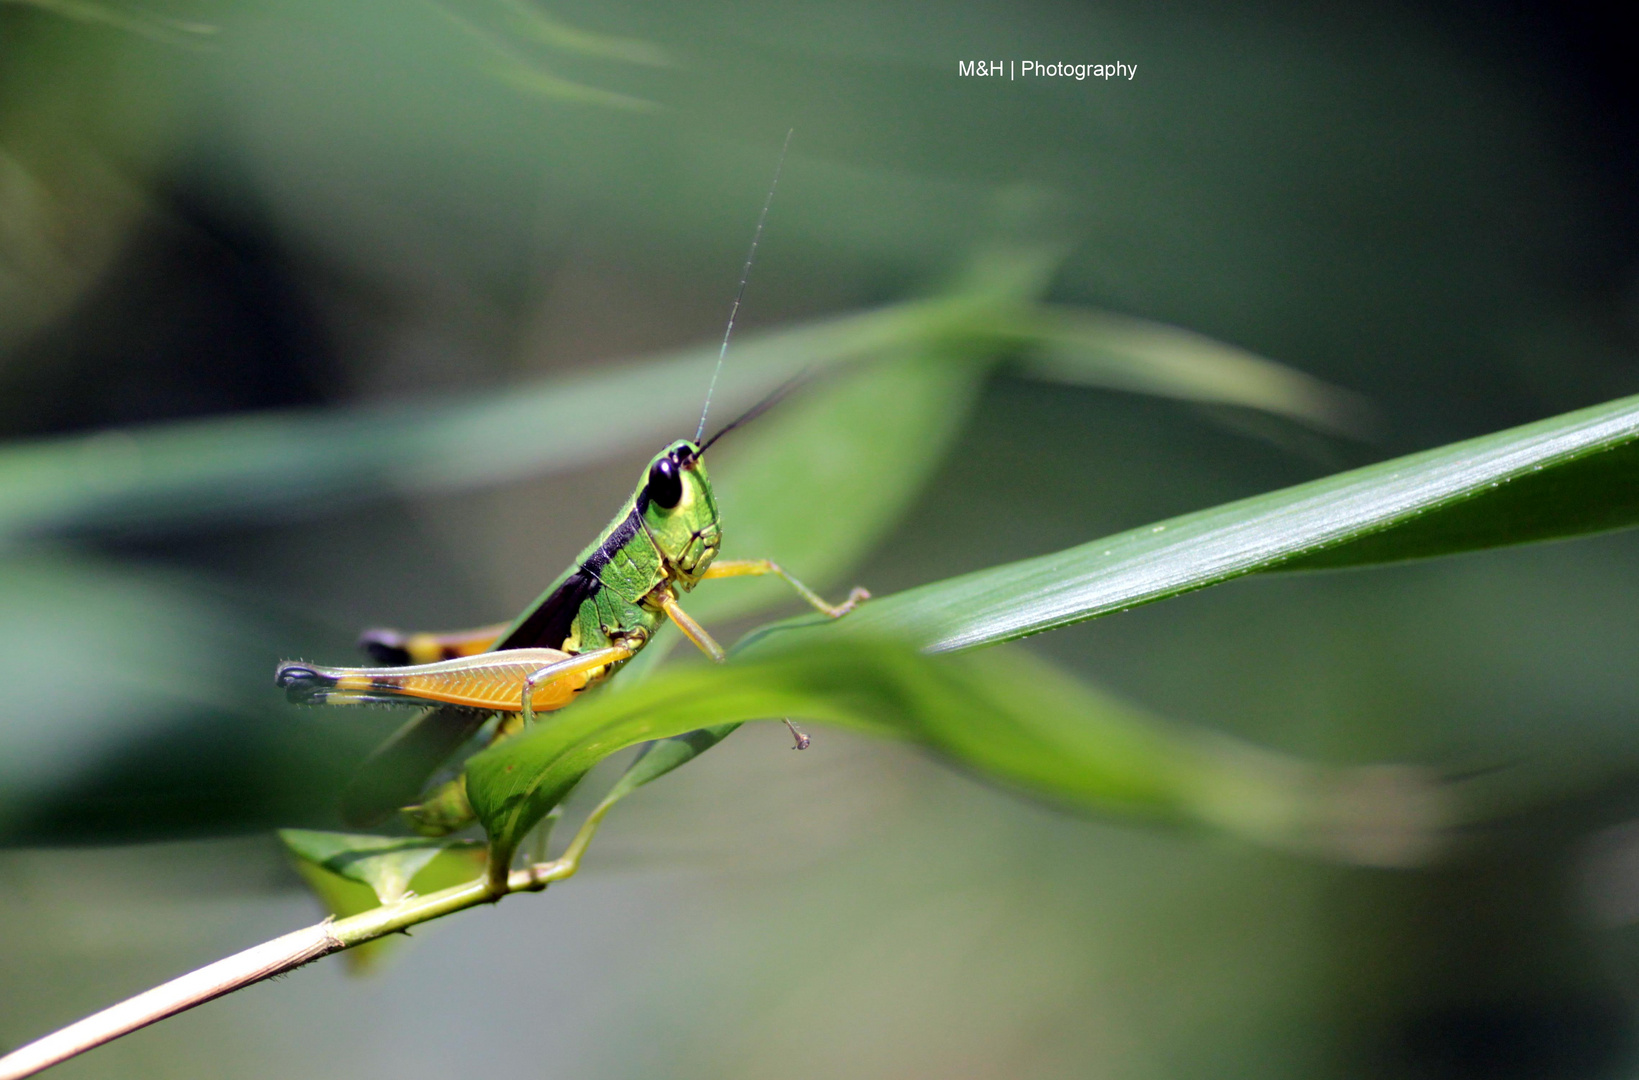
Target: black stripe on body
[[551, 624], [618, 537]]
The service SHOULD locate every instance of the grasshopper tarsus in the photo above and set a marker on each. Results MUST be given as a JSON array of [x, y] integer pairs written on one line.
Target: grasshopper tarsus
[[856, 596], [801, 739]]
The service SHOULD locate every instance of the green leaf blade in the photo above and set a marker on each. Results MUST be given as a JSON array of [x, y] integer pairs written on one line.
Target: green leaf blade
[[1005, 715], [1494, 490]]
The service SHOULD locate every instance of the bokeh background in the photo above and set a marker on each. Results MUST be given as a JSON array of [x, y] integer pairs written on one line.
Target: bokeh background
[[209, 209]]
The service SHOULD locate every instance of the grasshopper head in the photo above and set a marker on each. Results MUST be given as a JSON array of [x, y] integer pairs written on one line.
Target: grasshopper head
[[680, 511]]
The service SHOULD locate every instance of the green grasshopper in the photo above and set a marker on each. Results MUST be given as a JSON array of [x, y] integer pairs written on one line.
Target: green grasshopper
[[596, 616], [588, 623]]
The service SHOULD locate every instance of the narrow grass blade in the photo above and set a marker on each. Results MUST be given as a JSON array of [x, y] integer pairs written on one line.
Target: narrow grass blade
[[1097, 348], [1567, 476]]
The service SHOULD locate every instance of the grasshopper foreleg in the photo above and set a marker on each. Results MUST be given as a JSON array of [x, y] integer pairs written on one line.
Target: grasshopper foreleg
[[691, 629], [723, 568]]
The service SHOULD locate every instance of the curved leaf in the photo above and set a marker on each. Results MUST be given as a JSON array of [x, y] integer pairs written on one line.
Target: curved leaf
[[385, 863], [1083, 347], [1004, 714], [264, 463], [1566, 476]]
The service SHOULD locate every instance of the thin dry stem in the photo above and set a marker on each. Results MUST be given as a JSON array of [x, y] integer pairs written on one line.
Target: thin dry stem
[[275, 958]]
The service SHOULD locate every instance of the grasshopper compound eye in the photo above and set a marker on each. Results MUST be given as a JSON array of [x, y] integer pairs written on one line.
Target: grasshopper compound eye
[[665, 484]]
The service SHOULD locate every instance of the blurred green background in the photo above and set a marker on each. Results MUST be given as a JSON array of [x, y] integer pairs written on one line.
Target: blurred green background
[[208, 209]]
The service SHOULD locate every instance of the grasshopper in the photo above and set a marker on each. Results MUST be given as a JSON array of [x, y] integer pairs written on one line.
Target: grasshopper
[[596, 616], [588, 623]]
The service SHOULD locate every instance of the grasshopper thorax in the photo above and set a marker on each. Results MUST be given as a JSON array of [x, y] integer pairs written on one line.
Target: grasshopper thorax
[[679, 512]]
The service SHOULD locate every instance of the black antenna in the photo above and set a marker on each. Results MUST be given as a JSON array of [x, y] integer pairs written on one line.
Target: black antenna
[[739, 294], [774, 397]]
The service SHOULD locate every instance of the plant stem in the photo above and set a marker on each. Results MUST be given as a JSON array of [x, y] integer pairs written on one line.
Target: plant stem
[[279, 956]]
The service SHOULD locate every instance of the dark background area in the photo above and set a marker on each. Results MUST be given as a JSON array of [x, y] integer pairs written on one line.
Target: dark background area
[[318, 205]]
